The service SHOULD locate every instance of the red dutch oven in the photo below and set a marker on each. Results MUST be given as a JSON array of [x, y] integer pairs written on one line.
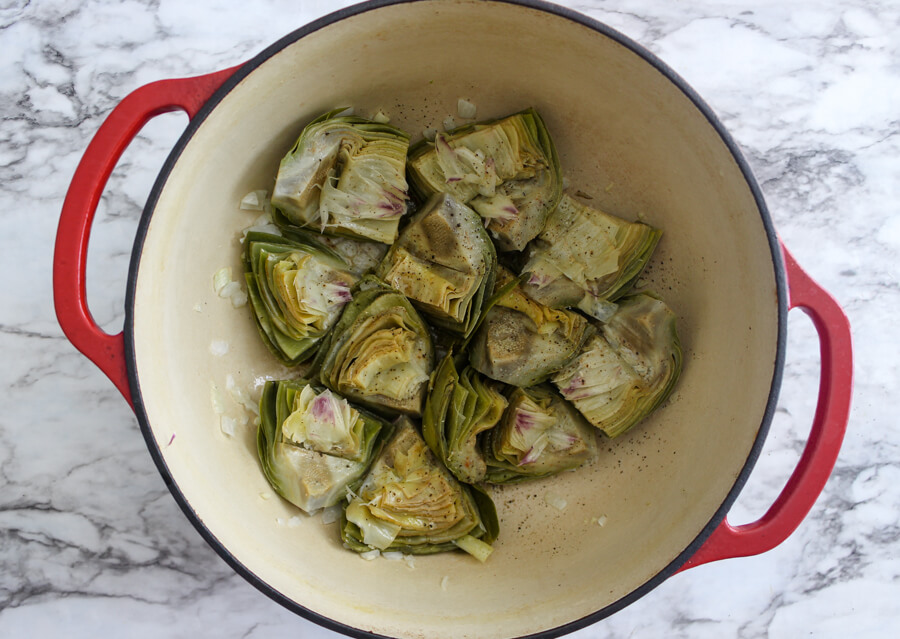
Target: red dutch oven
[[629, 132]]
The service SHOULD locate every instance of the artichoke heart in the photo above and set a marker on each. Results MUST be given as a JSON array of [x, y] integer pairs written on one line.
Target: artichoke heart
[[344, 175], [297, 290], [379, 353], [409, 502], [458, 409], [627, 369], [444, 262], [521, 342], [587, 258], [540, 435], [507, 170], [312, 444]]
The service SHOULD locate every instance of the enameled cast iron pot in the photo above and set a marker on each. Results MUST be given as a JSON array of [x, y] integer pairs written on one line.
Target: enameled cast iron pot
[[630, 133]]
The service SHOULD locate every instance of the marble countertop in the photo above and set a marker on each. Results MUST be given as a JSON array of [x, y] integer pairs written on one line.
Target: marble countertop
[[90, 538]]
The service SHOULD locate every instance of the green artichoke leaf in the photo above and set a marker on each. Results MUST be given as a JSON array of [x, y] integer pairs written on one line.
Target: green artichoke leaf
[[444, 262], [507, 170], [313, 445], [297, 289], [379, 353], [539, 435], [586, 258], [409, 502], [460, 407], [345, 175], [521, 342], [628, 368]]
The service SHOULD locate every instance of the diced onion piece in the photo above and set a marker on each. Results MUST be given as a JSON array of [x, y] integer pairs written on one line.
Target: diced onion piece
[[331, 514], [294, 521], [392, 555], [465, 109], [381, 117], [228, 425], [444, 580], [429, 133], [369, 555], [449, 123], [265, 495], [555, 499], [198, 308], [254, 201], [239, 298], [601, 520], [230, 288], [215, 396], [218, 347], [221, 279]]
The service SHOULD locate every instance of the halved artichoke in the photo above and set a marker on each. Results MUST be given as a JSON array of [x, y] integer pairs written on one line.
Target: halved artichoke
[[313, 445], [297, 289], [345, 175], [540, 435], [627, 369], [459, 407], [507, 170], [379, 353], [521, 342], [586, 258], [409, 502], [444, 262]]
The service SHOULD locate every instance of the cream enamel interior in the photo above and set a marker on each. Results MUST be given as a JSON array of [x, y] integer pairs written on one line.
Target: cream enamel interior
[[628, 137]]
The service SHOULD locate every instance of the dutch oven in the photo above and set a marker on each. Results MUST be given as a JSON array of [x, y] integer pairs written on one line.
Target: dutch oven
[[631, 134]]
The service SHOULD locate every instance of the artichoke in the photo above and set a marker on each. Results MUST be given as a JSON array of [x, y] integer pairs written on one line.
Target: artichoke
[[540, 435], [521, 342], [313, 445], [379, 353], [627, 369], [459, 407], [507, 170], [586, 258], [297, 289], [344, 175], [444, 262], [409, 502]]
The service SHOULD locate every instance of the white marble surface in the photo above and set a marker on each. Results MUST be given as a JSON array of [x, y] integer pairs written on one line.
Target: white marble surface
[[91, 540]]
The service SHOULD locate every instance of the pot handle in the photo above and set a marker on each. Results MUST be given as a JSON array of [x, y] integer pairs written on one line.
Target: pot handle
[[829, 423], [70, 253]]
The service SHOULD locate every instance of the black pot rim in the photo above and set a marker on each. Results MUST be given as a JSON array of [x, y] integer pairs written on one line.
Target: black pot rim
[[249, 67]]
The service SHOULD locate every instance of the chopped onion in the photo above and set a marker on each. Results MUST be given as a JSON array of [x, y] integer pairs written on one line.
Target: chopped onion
[[216, 398], [331, 514], [294, 521], [410, 561], [265, 495], [555, 499], [392, 555], [198, 308], [444, 581], [449, 123], [228, 425], [601, 520], [465, 109], [239, 396], [218, 347], [239, 298], [254, 201], [230, 288], [369, 555], [429, 133], [381, 117], [565, 183], [221, 279]]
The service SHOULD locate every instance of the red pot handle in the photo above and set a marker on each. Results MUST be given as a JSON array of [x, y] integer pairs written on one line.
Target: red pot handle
[[102, 154], [829, 423]]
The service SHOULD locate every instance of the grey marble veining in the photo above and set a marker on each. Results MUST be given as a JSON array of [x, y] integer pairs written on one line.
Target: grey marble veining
[[90, 538]]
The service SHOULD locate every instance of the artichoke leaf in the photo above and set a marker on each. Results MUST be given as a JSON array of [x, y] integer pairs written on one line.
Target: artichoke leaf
[[507, 170], [460, 407], [521, 342], [444, 262], [539, 435], [409, 502], [297, 289], [313, 445], [586, 258], [628, 368], [345, 175], [379, 353]]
